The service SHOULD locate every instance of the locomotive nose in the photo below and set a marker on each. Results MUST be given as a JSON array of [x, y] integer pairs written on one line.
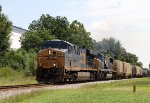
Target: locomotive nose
[[51, 63], [55, 58]]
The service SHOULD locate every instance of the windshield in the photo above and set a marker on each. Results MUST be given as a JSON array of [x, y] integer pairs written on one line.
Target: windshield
[[55, 44]]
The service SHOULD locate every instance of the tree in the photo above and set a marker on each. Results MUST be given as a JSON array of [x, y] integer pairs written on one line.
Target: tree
[[110, 46], [139, 64], [59, 26], [131, 58], [48, 27], [33, 39], [79, 35], [5, 29], [113, 48]]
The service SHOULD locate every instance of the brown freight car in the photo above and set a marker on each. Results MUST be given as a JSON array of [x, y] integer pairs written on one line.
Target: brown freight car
[[141, 72], [127, 70], [134, 71], [118, 67], [138, 71]]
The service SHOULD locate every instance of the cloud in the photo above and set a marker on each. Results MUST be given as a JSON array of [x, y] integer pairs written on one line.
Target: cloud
[[126, 20]]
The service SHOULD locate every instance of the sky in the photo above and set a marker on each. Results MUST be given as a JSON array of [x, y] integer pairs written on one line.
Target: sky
[[125, 20]]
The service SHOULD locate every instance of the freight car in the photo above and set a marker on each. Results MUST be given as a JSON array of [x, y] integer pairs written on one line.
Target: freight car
[[124, 70], [127, 70], [134, 71], [119, 68], [146, 72], [139, 71], [61, 61]]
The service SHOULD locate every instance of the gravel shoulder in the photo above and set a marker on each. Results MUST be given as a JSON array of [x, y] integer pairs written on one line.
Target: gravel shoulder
[[14, 92]]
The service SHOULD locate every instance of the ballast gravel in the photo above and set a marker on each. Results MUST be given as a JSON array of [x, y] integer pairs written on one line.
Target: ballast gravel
[[14, 92]]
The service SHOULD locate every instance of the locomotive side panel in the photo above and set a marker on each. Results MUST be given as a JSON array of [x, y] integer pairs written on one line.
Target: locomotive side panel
[[80, 62], [79, 65], [72, 62]]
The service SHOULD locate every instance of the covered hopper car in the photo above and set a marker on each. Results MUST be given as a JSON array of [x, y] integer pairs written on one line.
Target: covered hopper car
[[119, 68]]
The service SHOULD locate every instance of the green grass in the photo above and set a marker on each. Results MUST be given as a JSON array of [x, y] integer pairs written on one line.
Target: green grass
[[9, 76], [117, 92]]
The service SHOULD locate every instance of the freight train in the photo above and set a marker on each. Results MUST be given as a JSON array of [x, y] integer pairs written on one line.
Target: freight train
[[61, 61]]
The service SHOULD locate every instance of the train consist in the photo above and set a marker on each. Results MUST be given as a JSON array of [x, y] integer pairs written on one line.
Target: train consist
[[61, 61]]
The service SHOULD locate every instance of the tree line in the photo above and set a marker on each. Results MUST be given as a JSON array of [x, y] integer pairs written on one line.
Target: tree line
[[113, 48], [48, 28]]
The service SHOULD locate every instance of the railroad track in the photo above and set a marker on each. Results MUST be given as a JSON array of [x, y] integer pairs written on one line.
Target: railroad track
[[26, 86], [14, 87]]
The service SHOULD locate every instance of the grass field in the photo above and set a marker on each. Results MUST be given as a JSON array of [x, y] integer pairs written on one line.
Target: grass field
[[117, 92], [9, 76]]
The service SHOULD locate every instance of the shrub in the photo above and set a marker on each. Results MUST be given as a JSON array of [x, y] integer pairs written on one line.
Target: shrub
[[20, 60], [8, 72]]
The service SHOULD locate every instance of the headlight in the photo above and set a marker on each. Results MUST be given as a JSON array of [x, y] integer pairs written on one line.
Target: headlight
[[49, 52]]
